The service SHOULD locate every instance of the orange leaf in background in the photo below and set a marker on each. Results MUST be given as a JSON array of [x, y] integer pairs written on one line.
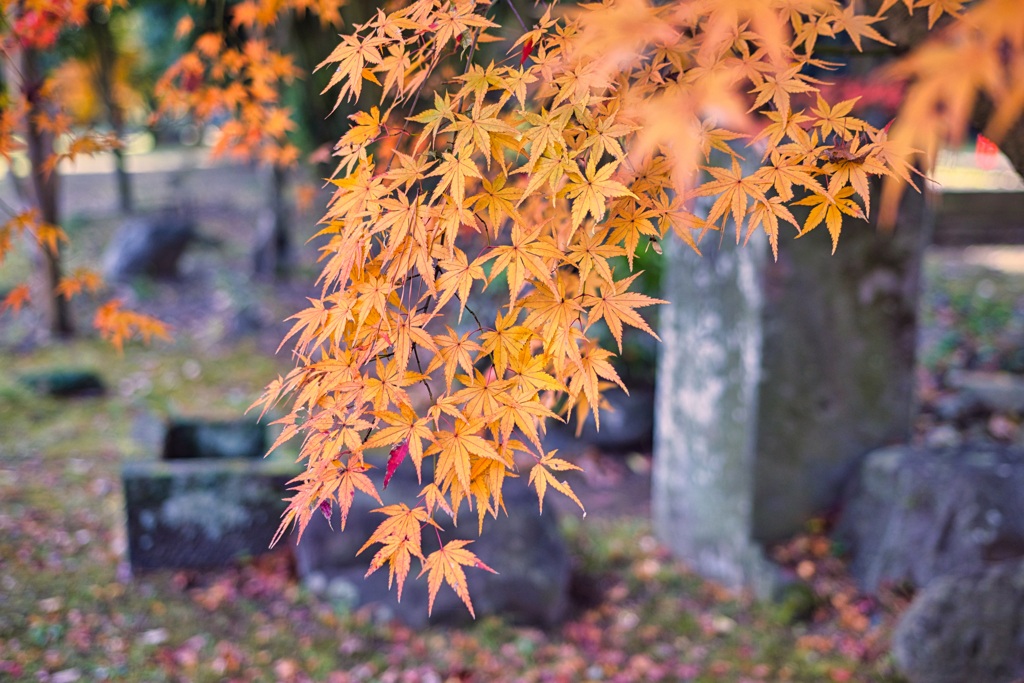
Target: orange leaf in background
[[81, 280], [16, 299], [50, 236], [184, 27], [117, 325]]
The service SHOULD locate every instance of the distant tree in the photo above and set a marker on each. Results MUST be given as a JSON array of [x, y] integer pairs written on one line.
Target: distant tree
[[34, 121], [547, 171], [236, 75]]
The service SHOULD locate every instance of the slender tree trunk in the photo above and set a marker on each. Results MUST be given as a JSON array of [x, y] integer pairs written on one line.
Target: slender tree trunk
[[279, 240], [45, 186], [281, 237], [99, 26]]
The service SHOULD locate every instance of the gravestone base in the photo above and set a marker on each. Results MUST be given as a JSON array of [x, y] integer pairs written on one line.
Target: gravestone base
[[202, 513], [524, 547]]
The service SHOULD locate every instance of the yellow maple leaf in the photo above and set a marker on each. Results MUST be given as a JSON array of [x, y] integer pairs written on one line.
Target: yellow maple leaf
[[446, 565], [541, 477]]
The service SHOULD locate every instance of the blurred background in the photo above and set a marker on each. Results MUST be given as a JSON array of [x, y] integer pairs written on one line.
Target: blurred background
[[117, 564]]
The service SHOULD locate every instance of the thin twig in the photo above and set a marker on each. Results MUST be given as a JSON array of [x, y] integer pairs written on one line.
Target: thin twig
[[516, 12]]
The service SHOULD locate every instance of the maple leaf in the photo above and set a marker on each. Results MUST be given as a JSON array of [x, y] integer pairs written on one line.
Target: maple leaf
[[366, 127], [936, 8], [81, 280], [411, 169], [480, 394], [767, 215], [530, 376], [351, 477], [456, 449], [49, 236], [836, 117], [830, 209], [400, 536], [617, 306], [593, 364], [457, 276], [522, 410], [505, 341], [526, 256], [735, 191], [478, 128], [557, 317], [545, 132], [541, 477], [777, 87], [406, 429], [433, 118], [395, 458], [117, 325], [351, 57], [590, 252], [454, 170], [499, 200], [16, 299], [453, 352], [589, 192], [859, 26], [445, 564]]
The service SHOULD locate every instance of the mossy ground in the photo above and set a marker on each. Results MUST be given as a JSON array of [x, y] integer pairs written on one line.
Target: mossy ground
[[70, 607]]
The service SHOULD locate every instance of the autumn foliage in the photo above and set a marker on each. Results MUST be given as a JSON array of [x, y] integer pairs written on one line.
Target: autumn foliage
[[543, 173]]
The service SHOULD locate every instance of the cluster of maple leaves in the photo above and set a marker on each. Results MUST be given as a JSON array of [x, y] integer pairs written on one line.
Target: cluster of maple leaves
[[587, 142]]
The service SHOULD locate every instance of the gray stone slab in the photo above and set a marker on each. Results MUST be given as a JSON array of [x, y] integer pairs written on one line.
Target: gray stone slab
[[914, 515], [202, 513], [965, 627], [525, 548]]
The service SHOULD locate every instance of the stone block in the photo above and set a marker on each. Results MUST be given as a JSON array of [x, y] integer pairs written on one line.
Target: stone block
[[191, 438], [965, 627], [202, 513], [913, 515], [148, 246], [65, 383], [525, 548]]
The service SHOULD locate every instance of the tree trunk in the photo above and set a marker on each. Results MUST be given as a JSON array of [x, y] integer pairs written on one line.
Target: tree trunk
[[44, 187], [273, 253], [99, 27]]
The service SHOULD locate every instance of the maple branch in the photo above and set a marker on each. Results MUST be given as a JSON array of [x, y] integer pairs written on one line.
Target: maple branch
[[516, 12], [479, 326], [8, 208], [419, 366]]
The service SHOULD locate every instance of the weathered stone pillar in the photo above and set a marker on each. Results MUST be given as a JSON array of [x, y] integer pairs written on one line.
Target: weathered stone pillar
[[706, 408], [775, 378]]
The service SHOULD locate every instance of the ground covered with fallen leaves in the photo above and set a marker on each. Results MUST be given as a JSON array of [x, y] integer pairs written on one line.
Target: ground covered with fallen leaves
[[72, 611]]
